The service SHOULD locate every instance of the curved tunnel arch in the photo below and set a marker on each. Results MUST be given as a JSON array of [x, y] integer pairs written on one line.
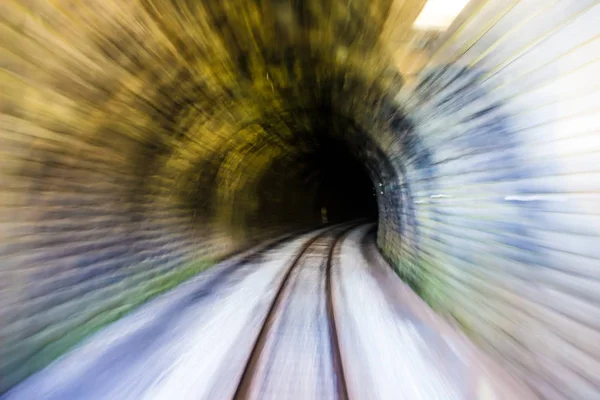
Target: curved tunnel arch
[[141, 141]]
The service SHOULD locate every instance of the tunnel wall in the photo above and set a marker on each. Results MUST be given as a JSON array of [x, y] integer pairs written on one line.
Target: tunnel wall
[[502, 183], [110, 192], [141, 141]]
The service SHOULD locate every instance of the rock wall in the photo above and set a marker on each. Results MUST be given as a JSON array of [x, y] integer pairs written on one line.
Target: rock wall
[[503, 184]]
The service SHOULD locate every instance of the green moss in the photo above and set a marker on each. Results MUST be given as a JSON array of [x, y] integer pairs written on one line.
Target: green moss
[[57, 344], [422, 277], [168, 281]]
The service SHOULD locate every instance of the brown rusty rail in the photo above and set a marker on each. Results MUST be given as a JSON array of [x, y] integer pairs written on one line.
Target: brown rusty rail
[[250, 373]]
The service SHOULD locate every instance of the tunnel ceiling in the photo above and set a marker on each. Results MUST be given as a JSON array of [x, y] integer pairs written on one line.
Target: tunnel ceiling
[[209, 94]]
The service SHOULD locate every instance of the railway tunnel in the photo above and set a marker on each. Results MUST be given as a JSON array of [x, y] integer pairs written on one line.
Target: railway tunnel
[[144, 141]]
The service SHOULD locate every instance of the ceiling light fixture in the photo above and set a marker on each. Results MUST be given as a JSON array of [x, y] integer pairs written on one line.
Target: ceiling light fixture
[[438, 14]]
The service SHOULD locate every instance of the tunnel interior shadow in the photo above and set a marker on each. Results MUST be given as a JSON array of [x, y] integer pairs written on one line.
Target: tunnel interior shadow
[[344, 189], [326, 178]]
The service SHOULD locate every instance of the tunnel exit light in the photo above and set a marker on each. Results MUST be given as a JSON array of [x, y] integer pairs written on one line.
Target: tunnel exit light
[[439, 14]]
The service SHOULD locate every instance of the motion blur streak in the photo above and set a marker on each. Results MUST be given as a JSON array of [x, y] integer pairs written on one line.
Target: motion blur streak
[[143, 142]]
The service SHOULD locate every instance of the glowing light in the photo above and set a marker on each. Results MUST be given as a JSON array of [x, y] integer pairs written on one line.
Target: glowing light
[[439, 14]]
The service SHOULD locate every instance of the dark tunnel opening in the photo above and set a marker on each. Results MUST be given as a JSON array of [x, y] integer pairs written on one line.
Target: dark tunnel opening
[[344, 190], [322, 178], [326, 175]]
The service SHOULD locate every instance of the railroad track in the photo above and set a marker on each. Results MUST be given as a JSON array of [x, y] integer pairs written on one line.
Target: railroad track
[[265, 321], [296, 353]]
